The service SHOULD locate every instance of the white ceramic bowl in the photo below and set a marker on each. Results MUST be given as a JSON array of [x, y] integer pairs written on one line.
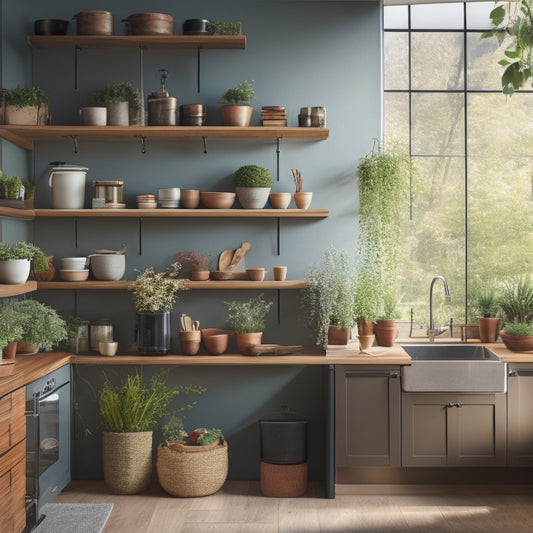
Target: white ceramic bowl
[[108, 267], [73, 263]]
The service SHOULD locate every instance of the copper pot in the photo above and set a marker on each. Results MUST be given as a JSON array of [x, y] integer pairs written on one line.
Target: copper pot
[[94, 22], [149, 24]]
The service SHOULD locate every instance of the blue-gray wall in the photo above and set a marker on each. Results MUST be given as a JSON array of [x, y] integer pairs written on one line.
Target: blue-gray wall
[[299, 53]]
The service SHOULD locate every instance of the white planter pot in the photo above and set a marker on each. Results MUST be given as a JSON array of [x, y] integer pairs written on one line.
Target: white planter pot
[[253, 197], [108, 267], [94, 116], [118, 114], [14, 271]]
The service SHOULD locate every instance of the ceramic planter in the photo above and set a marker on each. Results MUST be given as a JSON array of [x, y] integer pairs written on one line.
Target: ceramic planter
[[190, 342], [247, 339], [488, 328], [200, 275], [153, 333], [386, 332], [14, 271], [118, 114], [22, 116], [9, 352], [24, 347], [253, 197], [94, 116], [338, 336], [279, 200], [49, 273], [236, 115], [215, 340], [517, 343], [365, 333], [303, 199]]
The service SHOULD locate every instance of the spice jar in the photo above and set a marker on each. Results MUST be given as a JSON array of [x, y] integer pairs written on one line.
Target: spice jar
[[318, 117]]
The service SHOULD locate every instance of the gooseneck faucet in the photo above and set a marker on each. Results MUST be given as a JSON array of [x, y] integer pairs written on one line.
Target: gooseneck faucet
[[446, 294]]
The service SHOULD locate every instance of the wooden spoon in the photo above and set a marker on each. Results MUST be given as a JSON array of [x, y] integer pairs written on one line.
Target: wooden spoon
[[238, 255]]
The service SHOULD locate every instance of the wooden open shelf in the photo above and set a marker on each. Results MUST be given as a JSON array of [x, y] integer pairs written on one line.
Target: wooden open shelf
[[13, 212], [16, 290], [209, 284], [128, 42], [24, 136], [180, 213]]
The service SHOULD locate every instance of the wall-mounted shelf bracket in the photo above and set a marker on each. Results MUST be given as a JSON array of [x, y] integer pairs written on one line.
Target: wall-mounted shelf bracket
[[142, 138], [278, 151], [279, 307], [74, 142], [204, 140], [198, 69], [278, 235], [77, 49], [140, 236]]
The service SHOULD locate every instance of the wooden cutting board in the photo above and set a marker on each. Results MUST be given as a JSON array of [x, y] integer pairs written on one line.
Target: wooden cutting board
[[271, 349], [233, 260]]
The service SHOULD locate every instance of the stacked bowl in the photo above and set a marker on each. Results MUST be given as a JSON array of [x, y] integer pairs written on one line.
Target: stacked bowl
[[146, 201], [169, 198], [73, 269]]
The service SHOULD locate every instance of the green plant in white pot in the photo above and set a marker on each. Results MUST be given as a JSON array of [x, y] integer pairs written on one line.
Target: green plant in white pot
[[28, 107], [122, 100], [16, 259], [328, 299], [252, 185], [236, 109]]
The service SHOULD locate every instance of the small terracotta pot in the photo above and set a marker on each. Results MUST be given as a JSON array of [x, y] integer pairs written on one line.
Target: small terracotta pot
[[24, 347], [190, 342], [248, 339], [279, 200], [303, 199], [365, 327], [386, 332], [488, 328], [215, 340], [199, 275], [236, 115], [256, 274], [338, 336], [49, 273], [365, 341], [280, 273], [9, 351], [190, 198]]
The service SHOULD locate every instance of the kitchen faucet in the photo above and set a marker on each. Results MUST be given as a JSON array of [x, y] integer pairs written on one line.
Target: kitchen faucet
[[432, 331]]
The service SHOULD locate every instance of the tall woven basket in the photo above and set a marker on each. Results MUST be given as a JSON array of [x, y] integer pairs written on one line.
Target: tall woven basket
[[127, 461], [189, 471]]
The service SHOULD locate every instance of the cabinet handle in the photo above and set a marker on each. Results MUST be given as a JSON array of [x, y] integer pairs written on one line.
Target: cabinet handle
[[395, 375], [451, 404], [458, 405]]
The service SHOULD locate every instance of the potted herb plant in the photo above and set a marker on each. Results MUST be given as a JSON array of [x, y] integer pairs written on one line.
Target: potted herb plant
[[28, 107], [252, 185], [122, 100], [130, 412], [236, 109], [11, 331], [16, 260], [328, 299], [193, 463], [42, 327], [484, 304], [516, 302], [10, 186], [248, 320], [385, 329], [512, 25], [155, 294]]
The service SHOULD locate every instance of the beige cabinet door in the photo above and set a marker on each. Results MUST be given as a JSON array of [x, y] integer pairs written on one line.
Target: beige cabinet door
[[367, 416], [520, 416], [453, 429]]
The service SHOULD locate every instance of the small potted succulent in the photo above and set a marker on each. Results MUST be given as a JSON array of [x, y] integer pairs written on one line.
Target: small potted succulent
[[236, 109], [155, 294], [302, 198], [191, 463], [484, 299], [122, 100], [253, 185], [16, 260], [248, 320], [27, 107], [516, 302]]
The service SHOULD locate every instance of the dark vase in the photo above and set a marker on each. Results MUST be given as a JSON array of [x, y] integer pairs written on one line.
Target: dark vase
[[153, 332]]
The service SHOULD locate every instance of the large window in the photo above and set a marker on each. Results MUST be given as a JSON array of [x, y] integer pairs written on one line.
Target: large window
[[471, 213]]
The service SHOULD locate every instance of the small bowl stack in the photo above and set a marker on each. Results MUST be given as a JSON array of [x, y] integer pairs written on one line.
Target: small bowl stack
[[169, 198], [146, 201], [73, 269]]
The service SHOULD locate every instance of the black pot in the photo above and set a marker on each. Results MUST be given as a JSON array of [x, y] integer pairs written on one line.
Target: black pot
[[153, 333], [50, 27], [196, 27], [283, 440]]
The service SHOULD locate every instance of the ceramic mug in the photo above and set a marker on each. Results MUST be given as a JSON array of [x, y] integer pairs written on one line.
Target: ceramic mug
[[94, 116]]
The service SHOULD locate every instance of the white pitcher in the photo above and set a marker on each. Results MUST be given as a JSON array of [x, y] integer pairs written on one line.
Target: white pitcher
[[68, 187]]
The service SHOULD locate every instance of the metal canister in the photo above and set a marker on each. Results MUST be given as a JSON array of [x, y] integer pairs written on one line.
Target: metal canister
[[193, 114], [111, 190], [318, 117], [162, 109], [100, 330], [304, 118]]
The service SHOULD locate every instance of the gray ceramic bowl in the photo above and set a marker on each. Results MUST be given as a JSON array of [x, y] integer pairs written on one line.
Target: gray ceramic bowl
[[108, 267]]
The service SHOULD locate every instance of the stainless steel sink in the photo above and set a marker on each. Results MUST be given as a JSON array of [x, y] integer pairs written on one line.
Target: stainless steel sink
[[453, 368]]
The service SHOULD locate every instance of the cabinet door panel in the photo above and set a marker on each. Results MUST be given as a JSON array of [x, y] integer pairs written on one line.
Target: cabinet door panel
[[520, 417]]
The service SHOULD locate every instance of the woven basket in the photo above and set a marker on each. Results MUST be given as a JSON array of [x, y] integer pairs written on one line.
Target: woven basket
[[127, 459], [189, 471]]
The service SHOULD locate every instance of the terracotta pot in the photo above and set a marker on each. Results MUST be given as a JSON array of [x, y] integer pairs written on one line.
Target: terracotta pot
[[303, 199], [488, 328], [24, 347], [279, 200], [517, 343], [386, 332], [280, 273], [236, 115], [255, 274], [248, 339], [365, 327], [215, 340], [9, 351], [365, 341], [49, 273], [190, 198], [199, 275], [338, 335], [190, 342]]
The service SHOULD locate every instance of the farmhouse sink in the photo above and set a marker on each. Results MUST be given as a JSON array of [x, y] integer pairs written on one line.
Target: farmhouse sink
[[453, 368]]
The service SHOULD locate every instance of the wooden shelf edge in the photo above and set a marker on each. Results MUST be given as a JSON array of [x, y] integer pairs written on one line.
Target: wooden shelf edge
[[13, 212], [204, 285], [182, 213], [17, 290]]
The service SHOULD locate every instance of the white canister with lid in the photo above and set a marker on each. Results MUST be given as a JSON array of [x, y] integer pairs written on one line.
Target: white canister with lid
[[68, 186]]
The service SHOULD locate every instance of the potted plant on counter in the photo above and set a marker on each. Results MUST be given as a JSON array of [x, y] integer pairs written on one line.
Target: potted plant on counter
[[11, 331], [485, 306], [253, 185], [328, 299], [193, 463], [122, 100], [236, 109], [386, 329], [16, 260], [155, 294], [516, 302], [27, 107], [248, 320], [130, 412]]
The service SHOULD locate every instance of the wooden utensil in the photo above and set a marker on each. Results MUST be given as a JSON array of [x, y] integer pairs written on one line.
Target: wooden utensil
[[238, 255], [224, 259], [104, 251], [271, 349]]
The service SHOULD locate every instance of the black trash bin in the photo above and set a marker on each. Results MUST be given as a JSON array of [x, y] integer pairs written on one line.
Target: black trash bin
[[283, 440]]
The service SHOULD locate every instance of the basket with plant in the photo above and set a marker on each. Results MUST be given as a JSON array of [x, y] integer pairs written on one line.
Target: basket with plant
[[27, 106], [191, 463]]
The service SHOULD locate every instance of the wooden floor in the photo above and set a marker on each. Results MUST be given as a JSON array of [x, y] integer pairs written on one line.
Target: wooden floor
[[239, 507]]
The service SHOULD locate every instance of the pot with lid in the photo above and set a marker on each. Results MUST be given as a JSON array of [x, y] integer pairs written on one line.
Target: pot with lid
[[68, 186], [162, 108], [111, 191]]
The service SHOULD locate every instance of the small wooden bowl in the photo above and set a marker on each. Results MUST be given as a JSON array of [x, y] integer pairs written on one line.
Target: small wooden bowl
[[279, 200], [220, 274], [256, 274], [199, 275], [190, 198], [217, 200], [74, 275], [215, 340]]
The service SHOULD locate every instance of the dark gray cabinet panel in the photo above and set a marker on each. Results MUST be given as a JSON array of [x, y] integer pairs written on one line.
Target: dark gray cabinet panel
[[453, 429], [367, 405], [520, 416]]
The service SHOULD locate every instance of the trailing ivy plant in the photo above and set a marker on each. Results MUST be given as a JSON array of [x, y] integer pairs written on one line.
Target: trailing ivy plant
[[512, 25], [328, 299], [383, 196]]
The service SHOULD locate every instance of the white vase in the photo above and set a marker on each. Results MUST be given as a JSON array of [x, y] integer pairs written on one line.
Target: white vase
[[94, 116], [14, 271], [118, 114], [253, 197]]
